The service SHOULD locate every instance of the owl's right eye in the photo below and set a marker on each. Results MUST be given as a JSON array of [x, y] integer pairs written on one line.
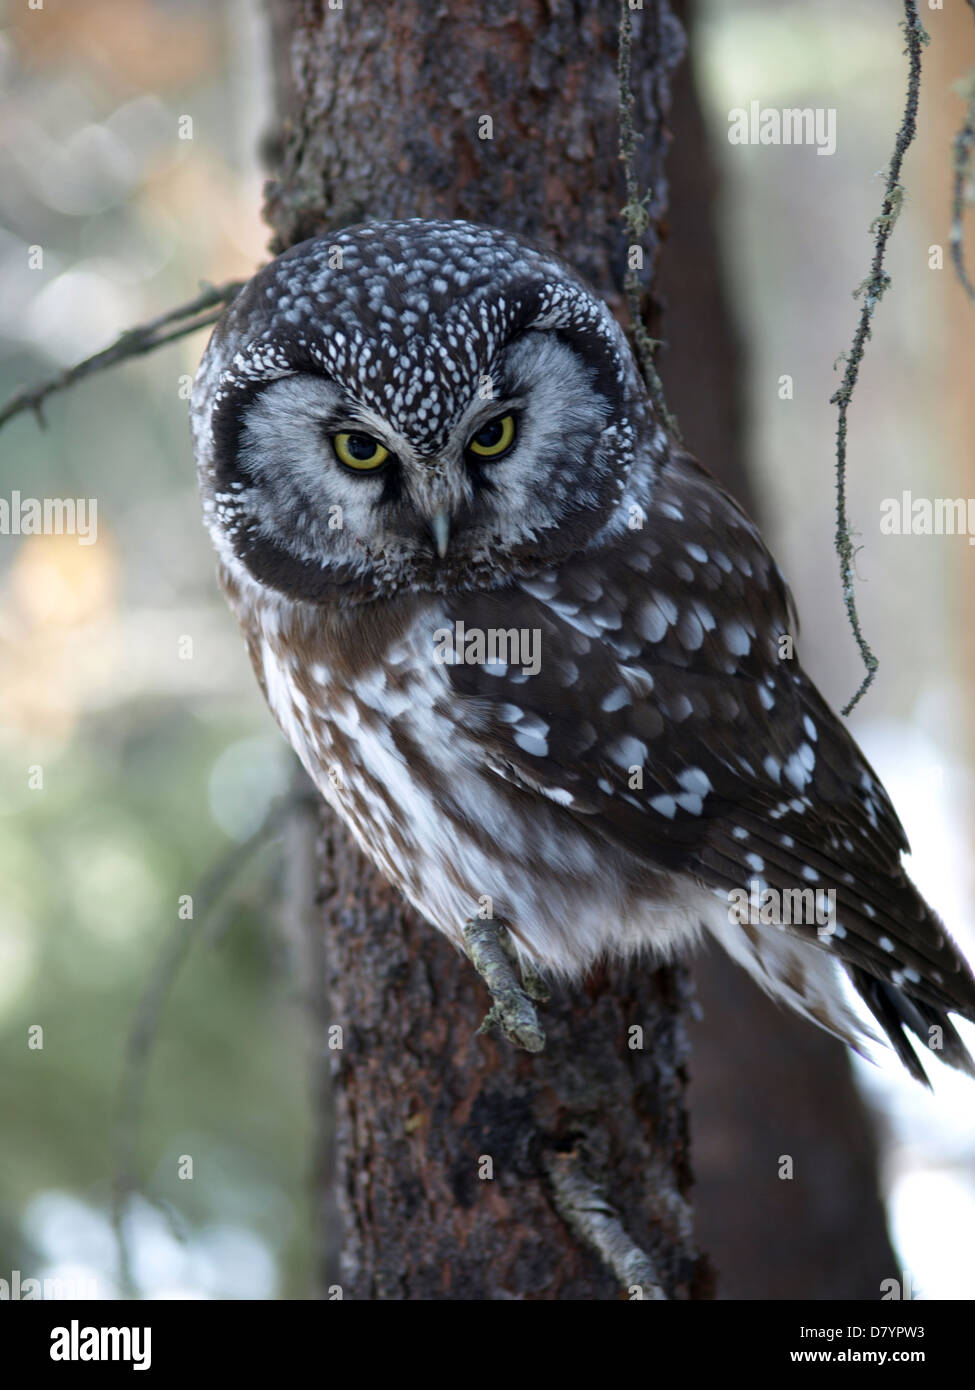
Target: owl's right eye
[[360, 452]]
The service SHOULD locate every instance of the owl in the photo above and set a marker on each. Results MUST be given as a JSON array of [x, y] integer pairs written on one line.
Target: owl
[[528, 649]]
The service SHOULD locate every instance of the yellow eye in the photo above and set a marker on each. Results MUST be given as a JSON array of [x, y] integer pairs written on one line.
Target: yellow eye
[[493, 439], [359, 451]]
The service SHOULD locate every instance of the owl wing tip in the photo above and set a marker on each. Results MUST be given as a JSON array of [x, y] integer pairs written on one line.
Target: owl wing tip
[[900, 1015]]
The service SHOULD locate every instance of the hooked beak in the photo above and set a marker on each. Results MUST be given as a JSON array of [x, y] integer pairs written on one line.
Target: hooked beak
[[440, 529]]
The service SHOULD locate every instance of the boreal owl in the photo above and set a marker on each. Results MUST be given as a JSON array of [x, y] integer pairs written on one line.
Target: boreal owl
[[529, 650]]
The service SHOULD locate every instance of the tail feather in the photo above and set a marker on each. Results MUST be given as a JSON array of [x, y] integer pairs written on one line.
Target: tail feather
[[897, 1013]]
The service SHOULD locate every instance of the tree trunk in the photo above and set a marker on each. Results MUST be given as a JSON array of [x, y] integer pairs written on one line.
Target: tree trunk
[[465, 1168], [447, 1144]]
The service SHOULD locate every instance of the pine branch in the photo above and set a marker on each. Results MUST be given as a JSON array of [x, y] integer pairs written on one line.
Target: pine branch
[[871, 291]]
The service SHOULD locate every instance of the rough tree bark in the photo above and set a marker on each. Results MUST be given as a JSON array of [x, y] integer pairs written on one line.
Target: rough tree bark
[[380, 115], [379, 118]]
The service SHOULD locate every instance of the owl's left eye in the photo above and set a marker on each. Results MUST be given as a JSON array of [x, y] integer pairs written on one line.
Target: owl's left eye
[[359, 451], [493, 439]]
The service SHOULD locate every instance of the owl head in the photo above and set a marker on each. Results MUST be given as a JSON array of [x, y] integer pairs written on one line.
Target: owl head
[[414, 406]]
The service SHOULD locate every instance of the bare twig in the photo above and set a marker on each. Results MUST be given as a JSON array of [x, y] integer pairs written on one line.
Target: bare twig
[[134, 342], [145, 1024], [871, 291], [636, 218], [963, 183], [584, 1207]]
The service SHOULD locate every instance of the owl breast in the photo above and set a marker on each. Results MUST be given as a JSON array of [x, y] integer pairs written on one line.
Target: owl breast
[[370, 713]]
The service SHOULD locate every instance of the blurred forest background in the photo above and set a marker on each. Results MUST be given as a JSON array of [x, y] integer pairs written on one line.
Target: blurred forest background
[[157, 764]]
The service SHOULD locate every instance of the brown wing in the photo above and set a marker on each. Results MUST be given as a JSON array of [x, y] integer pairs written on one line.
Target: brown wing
[[669, 710]]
